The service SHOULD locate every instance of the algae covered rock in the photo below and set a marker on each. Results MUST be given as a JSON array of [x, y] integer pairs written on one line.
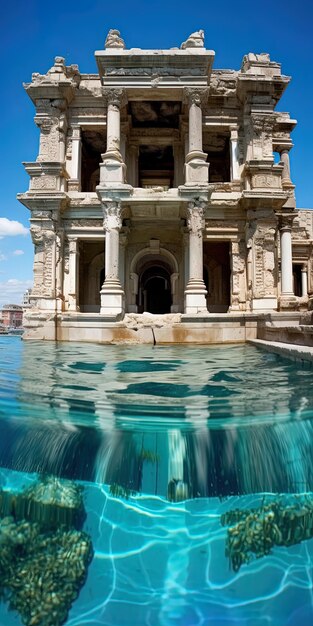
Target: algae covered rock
[[44, 556], [50, 501], [284, 521]]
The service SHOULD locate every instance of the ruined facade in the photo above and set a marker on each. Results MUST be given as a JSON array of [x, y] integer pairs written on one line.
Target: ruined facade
[[163, 186]]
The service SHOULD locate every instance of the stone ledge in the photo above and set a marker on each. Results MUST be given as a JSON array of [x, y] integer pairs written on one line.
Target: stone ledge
[[303, 354]]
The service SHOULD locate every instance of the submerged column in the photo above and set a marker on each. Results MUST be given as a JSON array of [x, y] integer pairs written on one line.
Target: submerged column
[[195, 293], [112, 294]]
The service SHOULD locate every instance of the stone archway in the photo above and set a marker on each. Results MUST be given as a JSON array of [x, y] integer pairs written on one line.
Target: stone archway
[[154, 274]]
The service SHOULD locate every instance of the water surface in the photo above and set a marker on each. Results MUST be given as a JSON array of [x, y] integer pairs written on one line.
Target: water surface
[[164, 441]]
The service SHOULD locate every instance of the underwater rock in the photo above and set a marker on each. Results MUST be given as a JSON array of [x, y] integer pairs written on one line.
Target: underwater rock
[[177, 490], [46, 572], [254, 532], [43, 558]]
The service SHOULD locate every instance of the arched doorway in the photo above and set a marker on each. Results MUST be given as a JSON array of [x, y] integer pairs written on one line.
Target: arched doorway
[[155, 290], [154, 280]]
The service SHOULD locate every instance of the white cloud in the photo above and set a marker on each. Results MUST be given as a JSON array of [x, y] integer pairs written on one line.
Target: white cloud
[[3, 257], [18, 252], [12, 291], [11, 228]]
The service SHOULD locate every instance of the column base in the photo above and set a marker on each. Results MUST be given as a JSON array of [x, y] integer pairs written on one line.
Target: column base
[[288, 302], [112, 170], [196, 168], [112, 298], [195, 298]]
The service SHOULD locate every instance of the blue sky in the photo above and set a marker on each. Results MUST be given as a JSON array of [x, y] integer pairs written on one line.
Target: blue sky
[[34, 32]]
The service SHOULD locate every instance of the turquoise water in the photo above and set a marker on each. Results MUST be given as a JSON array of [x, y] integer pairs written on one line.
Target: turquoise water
[[164, 442]]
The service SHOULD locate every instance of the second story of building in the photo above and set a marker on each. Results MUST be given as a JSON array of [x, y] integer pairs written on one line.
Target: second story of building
[[161, 121]]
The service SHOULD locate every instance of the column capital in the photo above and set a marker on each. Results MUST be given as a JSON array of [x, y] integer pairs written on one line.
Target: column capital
[[114, 96], [73, 245], [76, 131], [233, 129], [196, 95], [112, 216], [285, 223]]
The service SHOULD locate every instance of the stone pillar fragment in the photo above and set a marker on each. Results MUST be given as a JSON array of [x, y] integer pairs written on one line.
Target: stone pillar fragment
[[195, 293], [112, 294]]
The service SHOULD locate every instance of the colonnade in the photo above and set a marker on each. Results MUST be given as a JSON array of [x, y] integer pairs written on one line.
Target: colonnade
[[112, 173]]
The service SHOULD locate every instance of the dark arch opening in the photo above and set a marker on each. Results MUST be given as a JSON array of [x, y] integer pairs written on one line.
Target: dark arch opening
[[155, 290]]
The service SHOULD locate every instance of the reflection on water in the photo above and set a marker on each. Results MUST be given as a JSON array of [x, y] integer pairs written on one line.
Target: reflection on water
[[167, 443]]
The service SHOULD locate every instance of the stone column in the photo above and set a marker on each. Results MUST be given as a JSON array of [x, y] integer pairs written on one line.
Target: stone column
[[73, 292], [196, 167], [113, 169], [234, 162], [304, 280], [286, 260], [195, 293], [74, 183], [112, 294], [287, 298], [285, 177]]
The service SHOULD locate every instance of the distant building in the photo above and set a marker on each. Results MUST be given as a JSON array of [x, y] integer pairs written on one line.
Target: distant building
[[26, 299], [12, 315]]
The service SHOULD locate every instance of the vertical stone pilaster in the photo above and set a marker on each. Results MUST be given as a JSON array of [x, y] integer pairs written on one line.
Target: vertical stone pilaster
[[234, 157], [74, 183], [261, 260], [73, 291], [237, 265], [123, 236], [195, 293]]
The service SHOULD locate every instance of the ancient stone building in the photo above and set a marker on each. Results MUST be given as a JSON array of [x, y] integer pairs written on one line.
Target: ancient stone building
[[163, 186]]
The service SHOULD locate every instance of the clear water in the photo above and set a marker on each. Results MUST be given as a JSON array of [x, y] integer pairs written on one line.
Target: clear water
[[164, 441]]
